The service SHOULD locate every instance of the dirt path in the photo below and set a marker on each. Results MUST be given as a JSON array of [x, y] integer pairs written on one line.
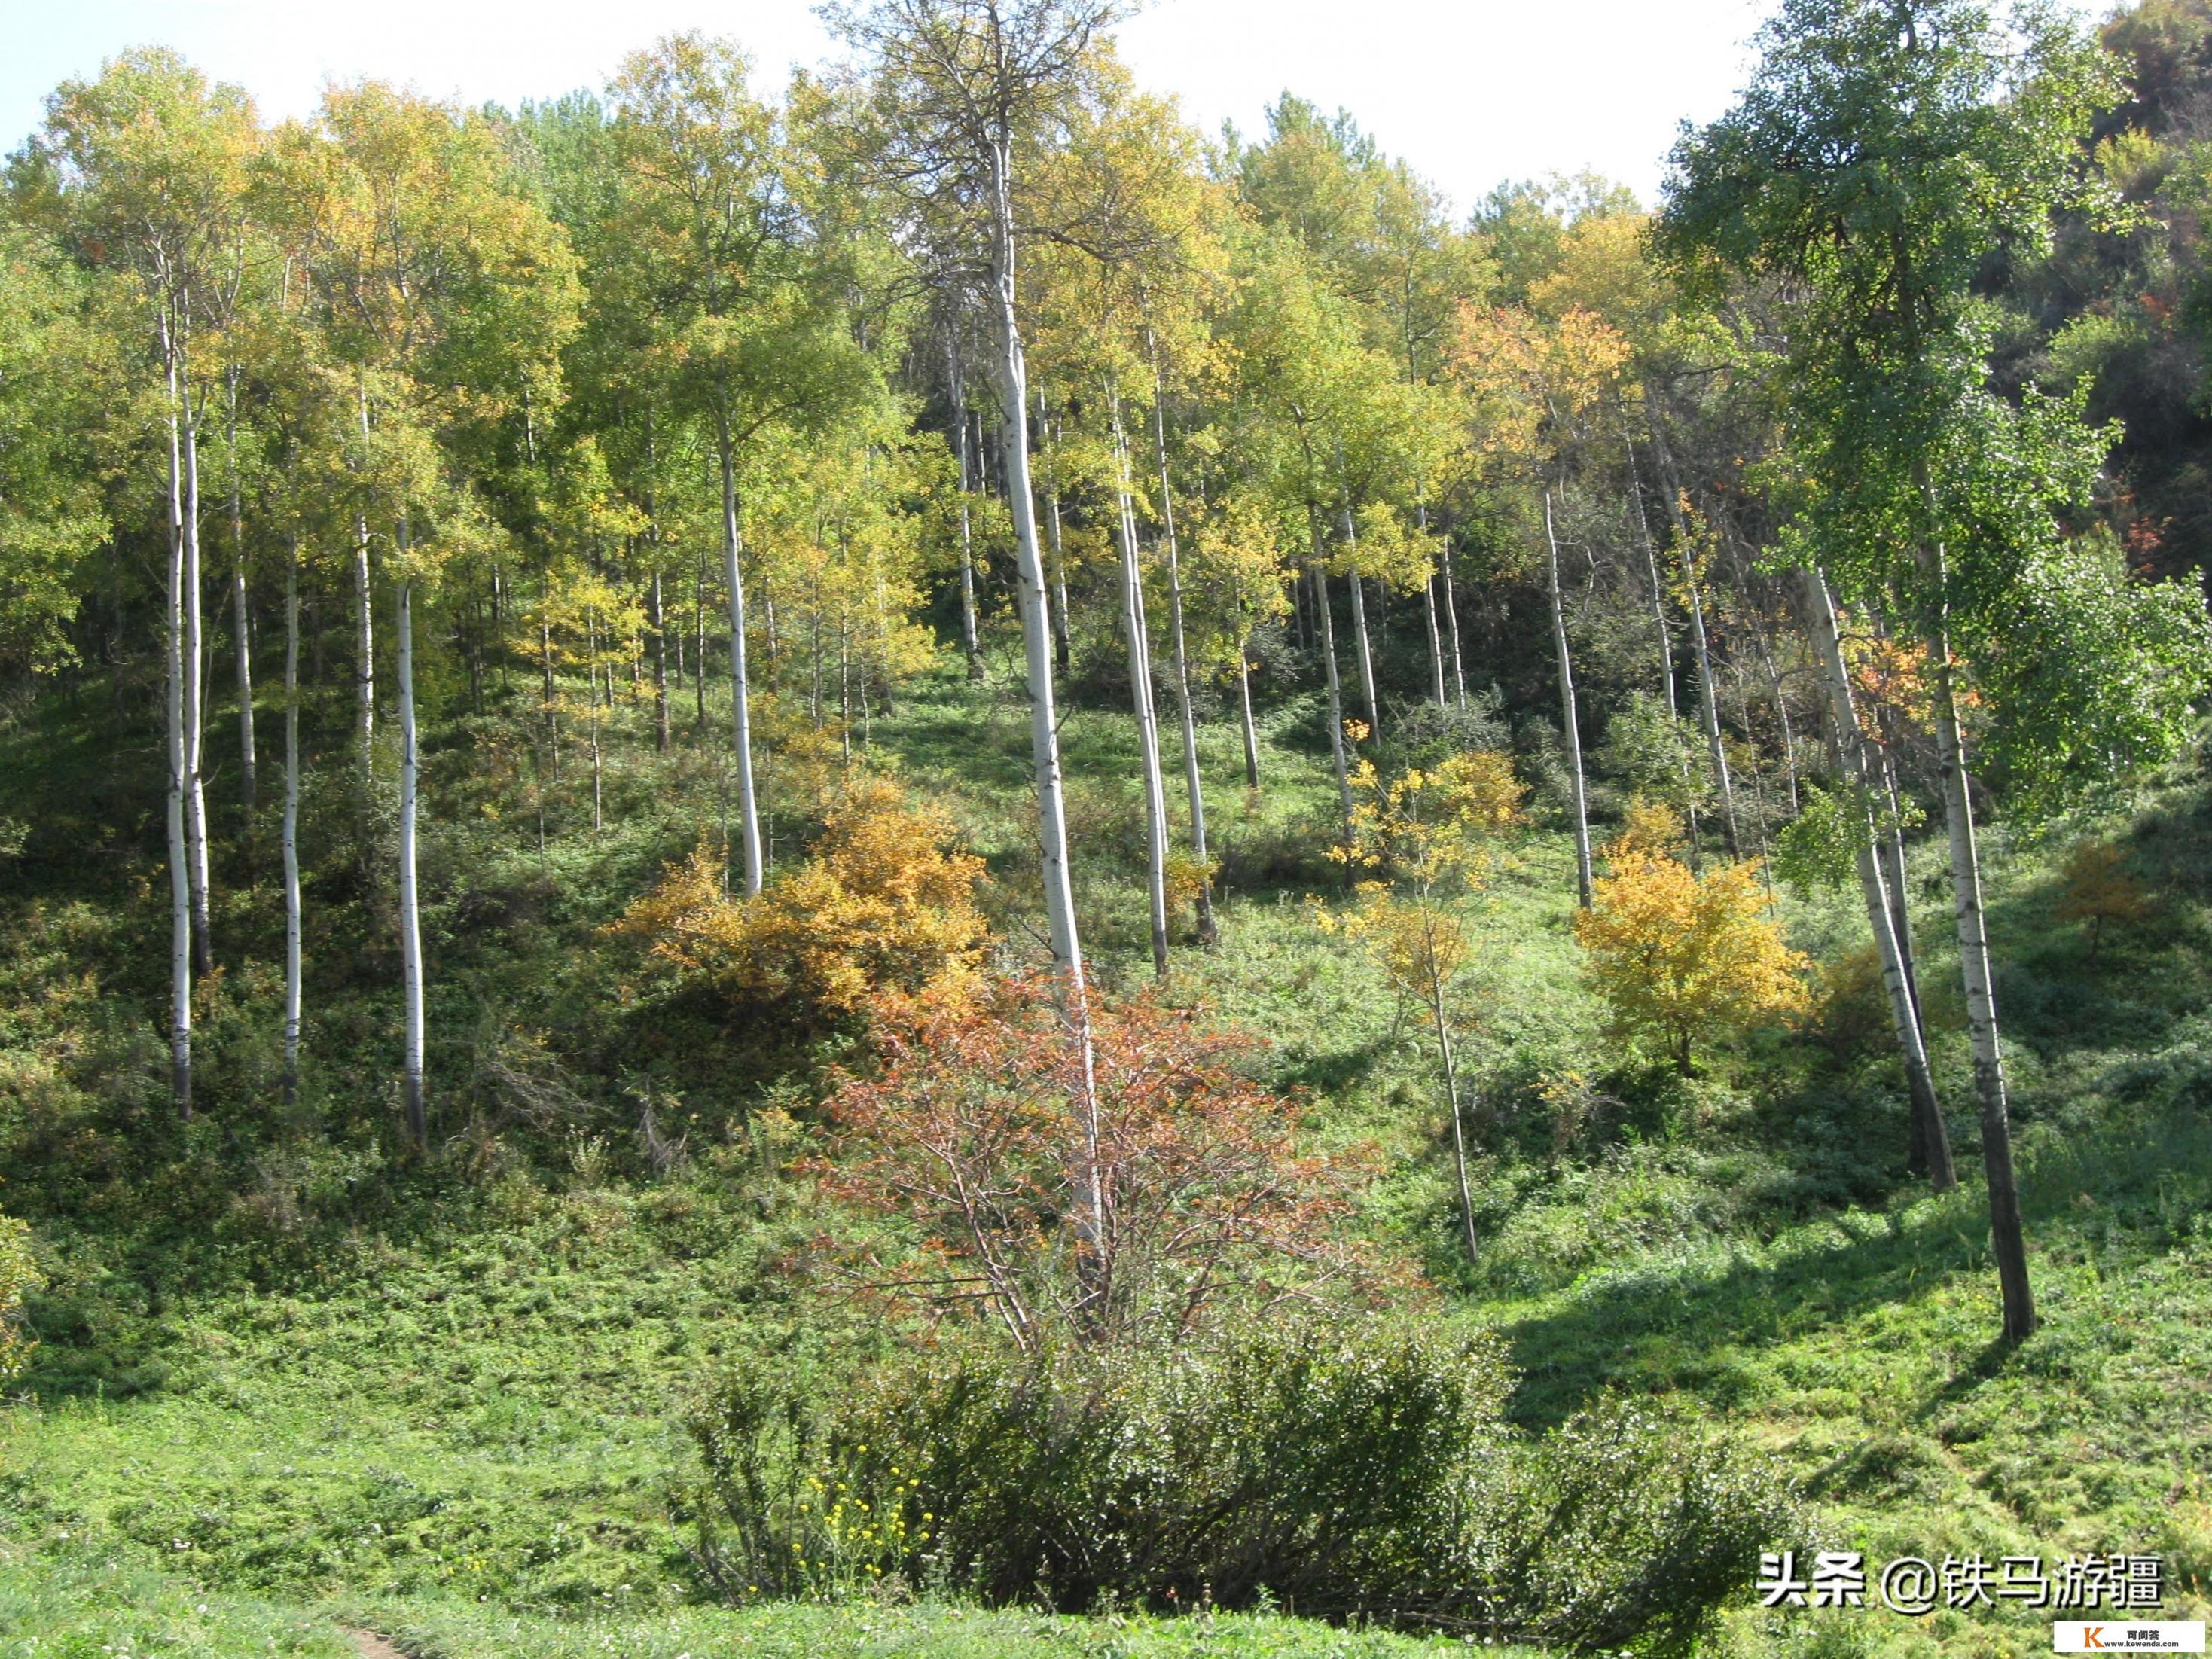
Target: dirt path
[[373, 1646]]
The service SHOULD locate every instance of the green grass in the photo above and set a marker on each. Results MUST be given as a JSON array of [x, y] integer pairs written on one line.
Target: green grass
[[288, 1384]]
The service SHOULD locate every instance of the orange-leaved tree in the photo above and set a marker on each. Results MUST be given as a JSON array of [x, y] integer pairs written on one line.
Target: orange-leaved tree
[[883, 902], [965, 1128], [1679, 956]]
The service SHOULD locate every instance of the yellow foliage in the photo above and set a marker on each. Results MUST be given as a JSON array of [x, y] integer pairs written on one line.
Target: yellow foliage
[[1433, 825], [1651, 826], [882, 902], [1419, 943], [1433, 831], [19, 1276], [1681, 956], [1525, 378], [1188, 877], [2096, 886]]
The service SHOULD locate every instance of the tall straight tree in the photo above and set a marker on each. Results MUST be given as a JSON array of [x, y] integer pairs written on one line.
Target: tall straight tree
[[448, 295], [1932, 1139], [1882, 148], [753, 332], [960, 87], [1529, 384], [148, 164]]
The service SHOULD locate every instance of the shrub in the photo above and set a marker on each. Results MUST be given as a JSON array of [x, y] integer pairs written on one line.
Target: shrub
[[1346, 1472], [19, 1277], [1327, 1471], [881, 902], [972, 1130], [1622, 1528], [1681, 955], [2096, 887]]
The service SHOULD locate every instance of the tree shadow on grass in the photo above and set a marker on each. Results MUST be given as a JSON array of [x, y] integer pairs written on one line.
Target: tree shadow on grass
[[1661, 1325], [1330, 1073]]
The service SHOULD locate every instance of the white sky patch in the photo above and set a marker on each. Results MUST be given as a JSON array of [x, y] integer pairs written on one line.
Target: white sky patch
[[1471, 93]]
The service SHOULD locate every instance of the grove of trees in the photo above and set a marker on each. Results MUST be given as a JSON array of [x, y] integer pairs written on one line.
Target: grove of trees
[[1857, 487]]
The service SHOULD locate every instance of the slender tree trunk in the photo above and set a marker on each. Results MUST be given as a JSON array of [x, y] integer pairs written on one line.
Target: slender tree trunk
[[1708, 706], [1451, 620], [1244, 706], [660, 739], [290, 836], [1207, 933], [2008, 1234], [545, 664], [180, 900], [1665, 635], [970, 645], [1707, 692], [1360, 629], [1335, 691], [364, 627], [740, 699], [410, 923], [195, 816], [1890, 846], [1436, 640], [1062, 640], [699, 643], [1660, 627], [1140, 690], [1932, 1142], [1087, 1177], [248, 782], [1585, 879], [1451, 1100]]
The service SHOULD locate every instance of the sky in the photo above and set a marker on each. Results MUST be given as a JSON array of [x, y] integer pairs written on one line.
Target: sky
[[1470, 92]]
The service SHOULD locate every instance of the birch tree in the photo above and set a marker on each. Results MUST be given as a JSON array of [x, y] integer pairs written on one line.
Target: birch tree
[[754, 335], [1529, 387], [958, 86], [1878, 152], [149, 165], [448, 295]]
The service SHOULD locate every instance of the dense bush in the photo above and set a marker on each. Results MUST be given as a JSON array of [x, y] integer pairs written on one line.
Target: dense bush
[[19, 1276], [1346, 1472]]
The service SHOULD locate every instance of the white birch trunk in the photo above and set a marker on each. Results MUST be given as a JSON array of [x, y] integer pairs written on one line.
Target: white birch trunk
[[196, 820], [180, 902], [1428, 607], [1192, 784], [970, 646], [741, 718], [1062, 640], [1087, 1176], [1452, 624], [1335, 696], [1360, 629], [1140, 692], [364, 626], [290, 836], [1244, 706], [410, 925], [248, 779], [1585, 878], [1931, 1139]]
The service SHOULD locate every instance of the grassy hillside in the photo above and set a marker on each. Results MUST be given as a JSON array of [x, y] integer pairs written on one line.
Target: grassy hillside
[[290, 1383]]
